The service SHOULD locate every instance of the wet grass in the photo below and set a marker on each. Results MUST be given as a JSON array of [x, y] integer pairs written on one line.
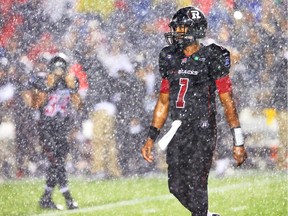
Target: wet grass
[[245, 193]]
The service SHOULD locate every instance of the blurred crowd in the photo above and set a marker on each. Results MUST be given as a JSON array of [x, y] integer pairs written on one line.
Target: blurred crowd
[[112, 49]]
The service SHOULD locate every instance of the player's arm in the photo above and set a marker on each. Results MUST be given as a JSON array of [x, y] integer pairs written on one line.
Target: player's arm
[[229, 109], [225, 94], [34, 98], [160, 115], [36, 94], [73, 84], [76, 100]]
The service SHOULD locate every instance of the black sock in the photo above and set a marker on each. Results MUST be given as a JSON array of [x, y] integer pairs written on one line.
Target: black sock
[[47, 193], [67, 195]]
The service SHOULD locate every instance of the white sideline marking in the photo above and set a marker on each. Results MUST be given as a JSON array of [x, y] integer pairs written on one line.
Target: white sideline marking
[[108, 206], [239, 208], [143, 200]]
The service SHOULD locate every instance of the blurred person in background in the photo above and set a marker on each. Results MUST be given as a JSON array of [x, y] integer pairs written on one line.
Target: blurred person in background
[[102, 112], [26, 137], [280, 103], [144, 92], [44, 43], [35, 21], [120, 68], [99, 104], [220, 15], [104, 150], [191, 69], [256, 77], [26, 119], [56, 96], [130, 112], [7, 91]]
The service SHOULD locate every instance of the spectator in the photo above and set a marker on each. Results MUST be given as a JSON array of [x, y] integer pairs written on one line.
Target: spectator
[[26, 120], [7, 90], [280, 103], [44, 45], [101, 110], [35, 21], [103, 115], [129, 100]]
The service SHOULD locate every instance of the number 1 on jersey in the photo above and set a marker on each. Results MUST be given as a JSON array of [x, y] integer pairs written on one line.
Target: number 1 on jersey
[[183, 82]]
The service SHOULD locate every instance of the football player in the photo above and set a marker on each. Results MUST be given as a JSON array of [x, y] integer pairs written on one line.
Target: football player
[[56, 96], [192, 74]]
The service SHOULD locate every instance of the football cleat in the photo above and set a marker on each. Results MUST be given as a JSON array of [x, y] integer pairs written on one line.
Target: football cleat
[[71, 204], [49, 204], [212, 214]]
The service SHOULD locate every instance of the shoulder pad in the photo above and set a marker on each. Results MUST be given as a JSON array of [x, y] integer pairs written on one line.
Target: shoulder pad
[[217, 51], [219, 60], [166, 51], [165, 57]]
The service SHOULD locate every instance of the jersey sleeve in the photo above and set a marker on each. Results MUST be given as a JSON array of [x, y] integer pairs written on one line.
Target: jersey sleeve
[[224, 84], [164, 58], [219, 61]]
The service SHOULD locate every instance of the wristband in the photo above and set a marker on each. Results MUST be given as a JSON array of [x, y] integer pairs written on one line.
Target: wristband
[[153, 133], [238, 138]]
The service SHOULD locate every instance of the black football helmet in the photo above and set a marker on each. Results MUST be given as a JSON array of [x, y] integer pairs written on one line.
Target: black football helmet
[[58, 61], [191, 18]]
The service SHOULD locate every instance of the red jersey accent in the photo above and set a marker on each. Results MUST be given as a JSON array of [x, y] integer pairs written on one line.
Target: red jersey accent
[[165, 86], [224, 84], [78, 71]]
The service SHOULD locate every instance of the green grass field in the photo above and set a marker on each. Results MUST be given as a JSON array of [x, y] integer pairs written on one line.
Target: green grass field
[[245, 193]]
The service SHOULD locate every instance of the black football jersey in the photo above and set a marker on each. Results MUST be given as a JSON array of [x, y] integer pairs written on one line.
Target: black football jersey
[[58, 112], [192, 80]]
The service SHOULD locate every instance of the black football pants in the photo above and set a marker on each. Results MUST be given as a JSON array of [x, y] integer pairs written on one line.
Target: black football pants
[[56, 148], [189, 158]]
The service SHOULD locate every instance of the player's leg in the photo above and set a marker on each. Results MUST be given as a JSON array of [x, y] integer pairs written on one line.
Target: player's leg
[[46, 199], [188, 169], [196, 182], [176, 184], [61, 172], [198, 168], [188, 183], [177, 161], [48, 145]]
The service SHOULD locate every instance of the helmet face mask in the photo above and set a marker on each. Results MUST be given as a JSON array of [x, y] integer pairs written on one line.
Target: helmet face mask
[[194, 23], [58, 64]]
